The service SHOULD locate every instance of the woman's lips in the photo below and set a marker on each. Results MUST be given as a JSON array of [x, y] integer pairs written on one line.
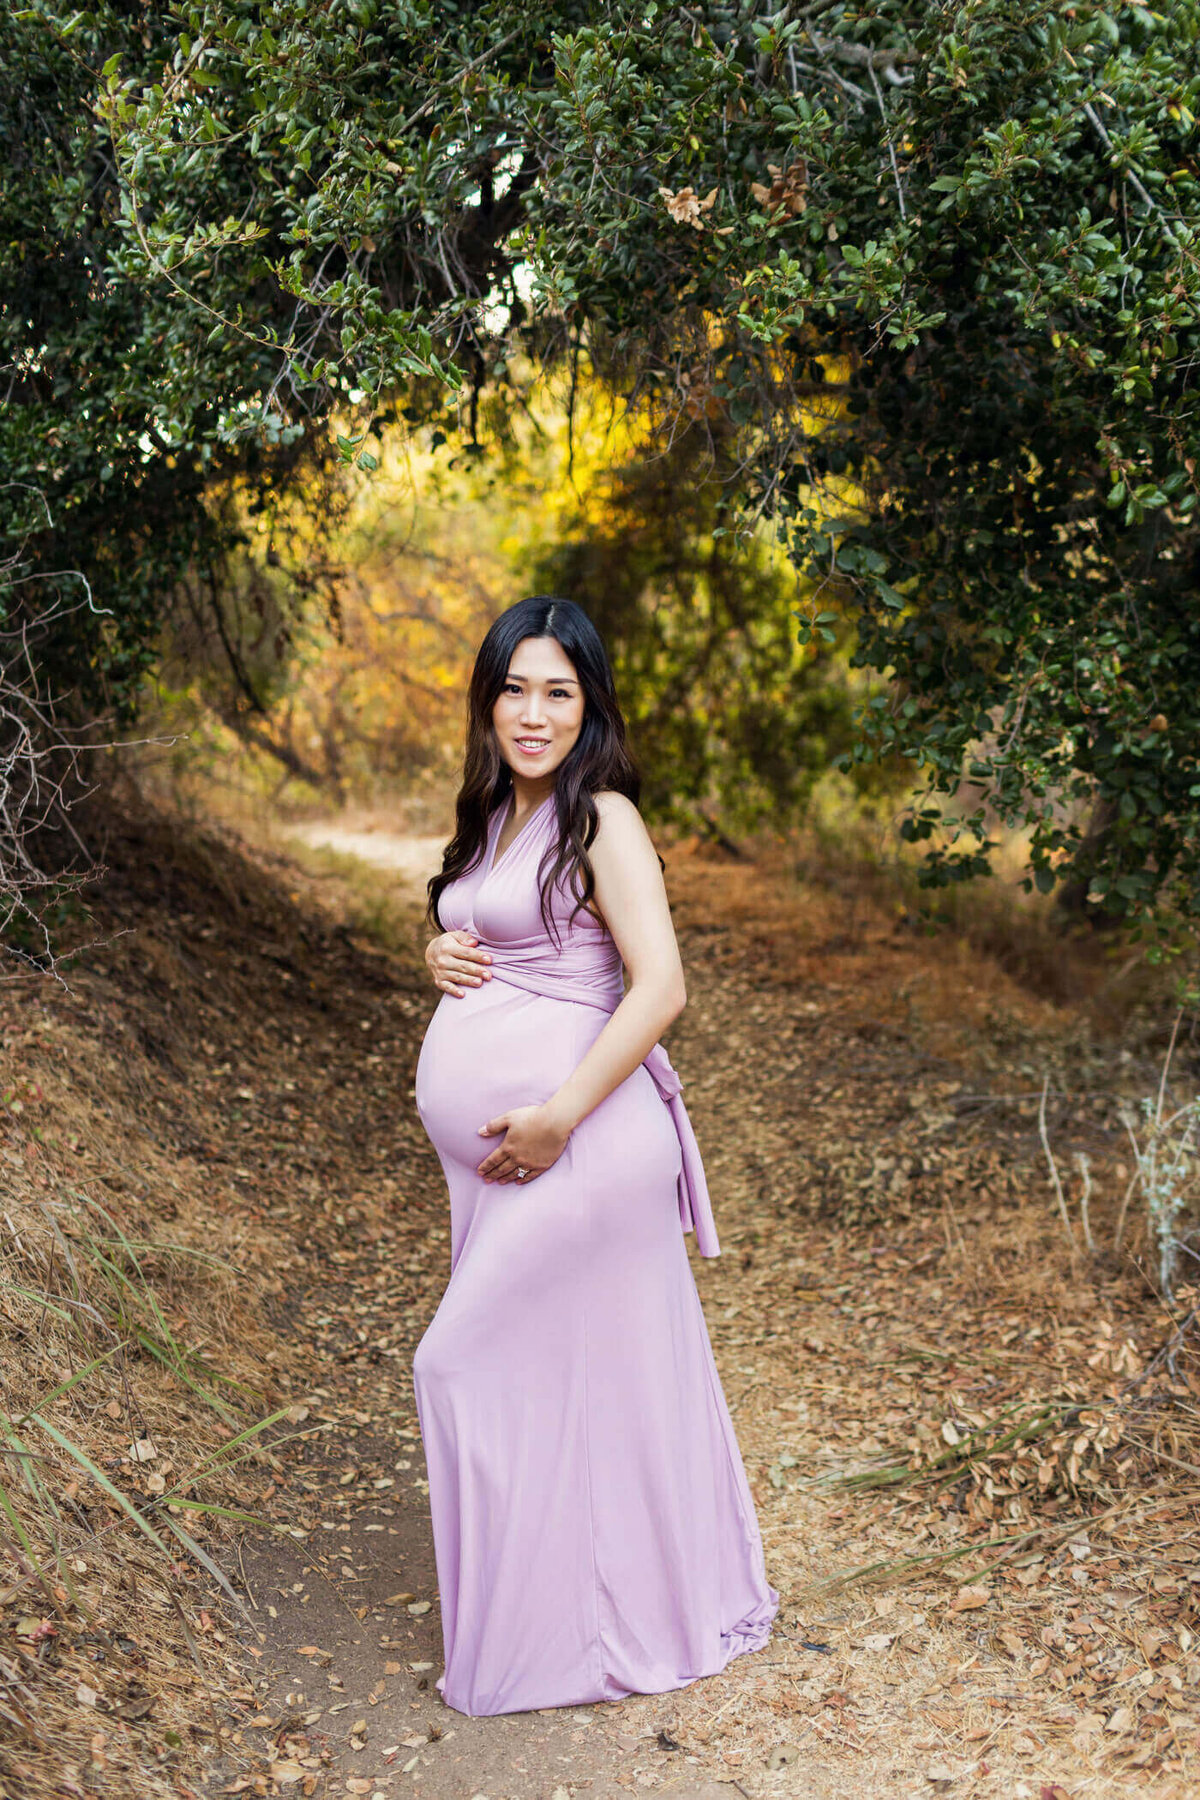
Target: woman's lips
[[531, 746]]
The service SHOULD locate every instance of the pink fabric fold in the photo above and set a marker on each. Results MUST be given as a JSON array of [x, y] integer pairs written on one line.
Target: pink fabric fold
[[520, 970]]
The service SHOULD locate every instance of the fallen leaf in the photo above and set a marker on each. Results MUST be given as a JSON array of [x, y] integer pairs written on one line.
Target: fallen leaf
[[286, 1772], [970, 1597], [1124, 1719], [86, 1696], [419, 1608], [398, 1599]]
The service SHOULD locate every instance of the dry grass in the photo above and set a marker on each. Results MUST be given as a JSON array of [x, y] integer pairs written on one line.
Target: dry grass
[[937, 1394], [143, 1370]]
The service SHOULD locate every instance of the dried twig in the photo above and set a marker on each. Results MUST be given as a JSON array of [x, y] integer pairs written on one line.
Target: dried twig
[[1085, 1176], [1054, 1175]]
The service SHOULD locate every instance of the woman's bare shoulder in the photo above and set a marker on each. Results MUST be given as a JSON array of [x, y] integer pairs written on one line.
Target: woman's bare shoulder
[[610, 804], [621, 832]]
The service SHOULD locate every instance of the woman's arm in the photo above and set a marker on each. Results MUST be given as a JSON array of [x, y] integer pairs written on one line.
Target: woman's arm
[[632, 899]]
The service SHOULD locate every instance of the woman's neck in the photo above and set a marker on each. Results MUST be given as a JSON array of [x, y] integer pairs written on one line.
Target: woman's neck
[[529, 794]]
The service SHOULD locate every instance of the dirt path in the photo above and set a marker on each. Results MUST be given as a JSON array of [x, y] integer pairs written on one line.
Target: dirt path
[[412, 859], [353, 1635]]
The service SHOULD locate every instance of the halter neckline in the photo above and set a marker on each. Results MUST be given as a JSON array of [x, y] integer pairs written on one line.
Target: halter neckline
[[493, 863]]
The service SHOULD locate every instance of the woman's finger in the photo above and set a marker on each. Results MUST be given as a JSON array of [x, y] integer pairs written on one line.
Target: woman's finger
[[467, 947], [455, 965], [503, 1170], [449, 971], [510, 1172]]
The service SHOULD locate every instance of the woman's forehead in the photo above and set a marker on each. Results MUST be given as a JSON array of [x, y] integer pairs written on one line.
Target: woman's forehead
[[541, 659]]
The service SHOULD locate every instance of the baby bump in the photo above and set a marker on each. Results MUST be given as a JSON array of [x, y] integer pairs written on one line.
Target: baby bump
[[496, 1048]]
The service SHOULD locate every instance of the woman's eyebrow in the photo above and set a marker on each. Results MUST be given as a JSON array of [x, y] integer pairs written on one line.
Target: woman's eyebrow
[[554, 681]]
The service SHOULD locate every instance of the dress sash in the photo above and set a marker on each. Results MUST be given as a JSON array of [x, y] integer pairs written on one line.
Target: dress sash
[[695, 1206]]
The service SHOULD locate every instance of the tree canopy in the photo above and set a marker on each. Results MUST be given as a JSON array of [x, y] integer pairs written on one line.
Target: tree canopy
[[920, 279]]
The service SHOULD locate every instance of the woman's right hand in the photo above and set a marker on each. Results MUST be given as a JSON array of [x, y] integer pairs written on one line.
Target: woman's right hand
[[456, 962]]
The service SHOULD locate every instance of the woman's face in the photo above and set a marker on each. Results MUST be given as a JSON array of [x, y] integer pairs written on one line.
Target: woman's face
[[539, 713]]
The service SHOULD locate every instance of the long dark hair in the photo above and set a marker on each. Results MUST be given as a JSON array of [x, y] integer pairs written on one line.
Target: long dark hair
[[598, 759]]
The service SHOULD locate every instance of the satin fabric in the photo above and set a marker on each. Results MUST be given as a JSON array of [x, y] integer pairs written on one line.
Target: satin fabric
[[594, 1532]]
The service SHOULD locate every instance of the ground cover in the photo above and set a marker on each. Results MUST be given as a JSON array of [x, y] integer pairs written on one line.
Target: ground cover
[[928, 1381]]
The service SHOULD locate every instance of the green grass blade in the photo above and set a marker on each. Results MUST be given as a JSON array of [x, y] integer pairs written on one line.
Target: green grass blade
[[64, 1386], [225, 1512], [60, 1312], [85, 1462], [178, 1367], [207, 1562], [217, 1457], [10, 1512]]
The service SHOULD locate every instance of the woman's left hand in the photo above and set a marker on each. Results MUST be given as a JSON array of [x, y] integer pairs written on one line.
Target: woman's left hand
[[533, 1141]]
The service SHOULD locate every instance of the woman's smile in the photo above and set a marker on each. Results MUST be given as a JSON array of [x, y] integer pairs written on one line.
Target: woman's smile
[[538, 713]]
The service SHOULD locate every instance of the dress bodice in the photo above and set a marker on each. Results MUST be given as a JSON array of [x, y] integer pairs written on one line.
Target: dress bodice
[[499, 901]]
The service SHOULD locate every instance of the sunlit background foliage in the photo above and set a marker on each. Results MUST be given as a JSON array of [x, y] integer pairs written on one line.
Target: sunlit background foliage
[[893, 310]]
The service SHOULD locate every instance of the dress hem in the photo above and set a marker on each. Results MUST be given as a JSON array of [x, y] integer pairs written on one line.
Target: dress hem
[[744, 1640]]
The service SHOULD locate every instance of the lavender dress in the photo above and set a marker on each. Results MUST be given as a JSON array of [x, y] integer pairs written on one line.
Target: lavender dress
[[593, 1529]]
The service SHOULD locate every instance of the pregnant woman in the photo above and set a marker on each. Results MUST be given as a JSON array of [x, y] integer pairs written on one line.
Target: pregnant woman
[[593, 1529]]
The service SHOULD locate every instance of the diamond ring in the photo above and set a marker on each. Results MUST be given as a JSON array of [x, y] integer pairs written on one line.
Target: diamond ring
[[521, 1174]]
